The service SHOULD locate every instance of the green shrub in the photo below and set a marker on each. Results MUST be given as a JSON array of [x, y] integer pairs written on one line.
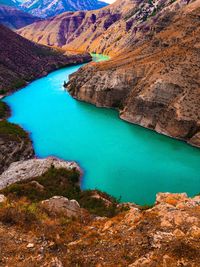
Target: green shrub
[[12, 131]]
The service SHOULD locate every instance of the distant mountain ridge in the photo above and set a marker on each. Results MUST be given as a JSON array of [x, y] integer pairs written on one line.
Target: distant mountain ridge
[[12, 3], [14, 18], [49, 8]]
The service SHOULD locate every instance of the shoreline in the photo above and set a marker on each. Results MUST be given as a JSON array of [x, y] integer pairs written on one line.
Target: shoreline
[[137, 124]]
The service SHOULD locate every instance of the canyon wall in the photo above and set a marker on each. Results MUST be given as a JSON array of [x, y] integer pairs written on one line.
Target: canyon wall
[[155, 84]]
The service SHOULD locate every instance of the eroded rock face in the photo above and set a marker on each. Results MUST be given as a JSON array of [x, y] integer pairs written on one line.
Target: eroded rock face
[[62, 205], [23, 170], [156, 85]]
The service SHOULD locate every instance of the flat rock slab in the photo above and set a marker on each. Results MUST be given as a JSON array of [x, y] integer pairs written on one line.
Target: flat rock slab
[[23, 170]]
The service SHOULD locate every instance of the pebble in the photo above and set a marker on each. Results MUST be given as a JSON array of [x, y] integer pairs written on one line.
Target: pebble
[[30, 245]]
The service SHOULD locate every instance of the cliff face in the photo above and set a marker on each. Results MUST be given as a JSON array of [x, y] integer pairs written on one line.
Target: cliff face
[[22, 61], [48, 8], [156, 84], [14, 18]]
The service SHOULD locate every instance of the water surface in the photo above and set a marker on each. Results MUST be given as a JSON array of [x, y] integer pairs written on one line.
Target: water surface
[[124, 160]]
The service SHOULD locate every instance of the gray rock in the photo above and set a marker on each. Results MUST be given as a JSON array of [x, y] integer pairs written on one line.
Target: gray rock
[[23, 170], [62, 205]]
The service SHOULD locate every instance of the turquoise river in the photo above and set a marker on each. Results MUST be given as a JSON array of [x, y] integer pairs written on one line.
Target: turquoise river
[[122, 159]]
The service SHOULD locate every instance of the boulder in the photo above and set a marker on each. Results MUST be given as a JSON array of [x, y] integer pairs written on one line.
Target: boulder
[[61, 205], [24, 170], [171, 199]]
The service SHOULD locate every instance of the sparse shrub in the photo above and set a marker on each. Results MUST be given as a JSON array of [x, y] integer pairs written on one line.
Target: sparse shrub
[[18, 214], [12, 131], [62, 182], [4, 110]]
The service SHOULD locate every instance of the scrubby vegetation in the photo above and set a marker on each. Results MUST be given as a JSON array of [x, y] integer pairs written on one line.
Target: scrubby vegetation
[[62, 182], [4, 110], [12, 131]]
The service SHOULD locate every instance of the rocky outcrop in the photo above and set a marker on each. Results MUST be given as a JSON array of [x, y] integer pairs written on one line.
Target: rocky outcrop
[[23, 170], [47, 8], [62, 205], [14, 18], [156, 85], [22, 61]]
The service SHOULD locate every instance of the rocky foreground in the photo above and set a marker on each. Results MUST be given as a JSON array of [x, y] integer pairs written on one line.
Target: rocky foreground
[[40, 227]]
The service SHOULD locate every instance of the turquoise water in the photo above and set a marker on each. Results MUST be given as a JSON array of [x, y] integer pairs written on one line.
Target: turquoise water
[[99, 57], [117, 157]]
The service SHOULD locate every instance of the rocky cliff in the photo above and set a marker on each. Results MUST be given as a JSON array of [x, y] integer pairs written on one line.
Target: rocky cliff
[[15, 18], [155, 83], [22, 60]]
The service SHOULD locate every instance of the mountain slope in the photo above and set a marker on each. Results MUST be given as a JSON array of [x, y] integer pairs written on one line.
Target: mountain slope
[[108, 30], [22, 60], [79, 29], [48, 8], [14, 18]]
